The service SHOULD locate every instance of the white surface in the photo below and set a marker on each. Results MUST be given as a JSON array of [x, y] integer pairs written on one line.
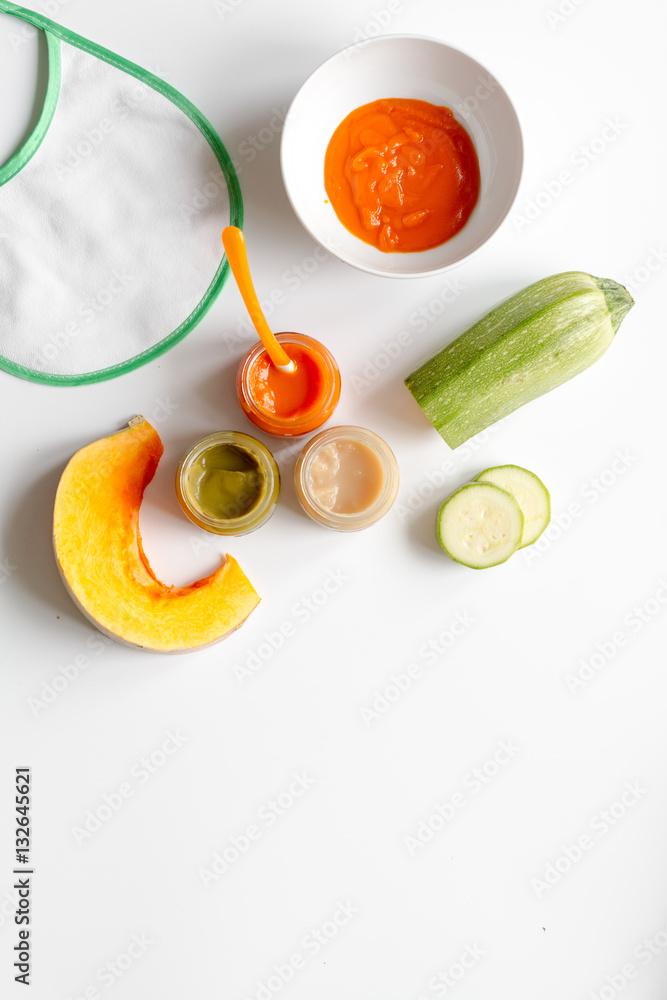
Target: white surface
[[401, 67], [523, 628]]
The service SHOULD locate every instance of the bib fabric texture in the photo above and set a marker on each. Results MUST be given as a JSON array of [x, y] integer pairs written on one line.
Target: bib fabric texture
[[110, 219]]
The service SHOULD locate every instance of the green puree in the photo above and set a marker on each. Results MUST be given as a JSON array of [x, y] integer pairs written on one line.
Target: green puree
[[225, 481]]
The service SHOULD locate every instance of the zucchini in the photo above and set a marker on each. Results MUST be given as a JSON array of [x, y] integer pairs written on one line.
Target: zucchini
[[529, 492], [480, 525], [529, 344]]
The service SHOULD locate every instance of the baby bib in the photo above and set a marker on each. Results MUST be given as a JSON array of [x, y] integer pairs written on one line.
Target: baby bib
[[110, 217]]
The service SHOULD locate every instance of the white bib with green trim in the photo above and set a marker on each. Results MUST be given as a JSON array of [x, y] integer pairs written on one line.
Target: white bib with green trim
[[110, 219]]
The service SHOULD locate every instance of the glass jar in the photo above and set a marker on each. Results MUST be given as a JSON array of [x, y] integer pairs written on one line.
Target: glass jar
[[297, 403], [228, 483], [346, 478]]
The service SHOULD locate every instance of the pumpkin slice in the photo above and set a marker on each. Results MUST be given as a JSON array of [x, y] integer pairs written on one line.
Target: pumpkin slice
[[102, 562]]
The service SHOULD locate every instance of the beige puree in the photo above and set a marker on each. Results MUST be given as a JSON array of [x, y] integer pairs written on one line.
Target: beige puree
[[345, 476]]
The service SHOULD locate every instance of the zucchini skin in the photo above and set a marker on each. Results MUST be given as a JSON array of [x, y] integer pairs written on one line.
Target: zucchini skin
[[526, 346]]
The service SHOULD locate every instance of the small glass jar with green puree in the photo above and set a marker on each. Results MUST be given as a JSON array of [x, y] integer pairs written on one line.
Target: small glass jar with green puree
[[228, 483]]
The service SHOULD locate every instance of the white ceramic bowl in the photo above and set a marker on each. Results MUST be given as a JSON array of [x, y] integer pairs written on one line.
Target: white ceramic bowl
[[407, 66]]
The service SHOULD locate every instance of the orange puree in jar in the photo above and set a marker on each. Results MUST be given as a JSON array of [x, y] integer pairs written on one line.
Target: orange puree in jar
[[402, 174], [284, 394], [289, 403]]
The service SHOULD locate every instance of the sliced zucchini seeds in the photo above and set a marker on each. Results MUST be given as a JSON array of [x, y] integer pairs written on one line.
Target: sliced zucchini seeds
[[529, 492], [480, 525]]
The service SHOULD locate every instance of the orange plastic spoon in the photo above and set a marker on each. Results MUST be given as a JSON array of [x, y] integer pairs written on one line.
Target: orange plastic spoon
[[234, 244]]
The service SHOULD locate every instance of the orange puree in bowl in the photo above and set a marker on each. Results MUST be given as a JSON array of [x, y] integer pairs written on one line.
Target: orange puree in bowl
[[402, 174]]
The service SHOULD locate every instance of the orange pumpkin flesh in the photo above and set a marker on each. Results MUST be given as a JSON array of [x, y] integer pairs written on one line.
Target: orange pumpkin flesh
[[103, 564]]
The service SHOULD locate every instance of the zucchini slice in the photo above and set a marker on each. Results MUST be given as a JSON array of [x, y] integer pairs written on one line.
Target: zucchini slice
[[529, 492], [480, 525]]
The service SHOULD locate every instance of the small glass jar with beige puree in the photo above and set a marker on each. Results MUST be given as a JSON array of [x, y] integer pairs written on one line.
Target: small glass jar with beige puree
[[346, 478]]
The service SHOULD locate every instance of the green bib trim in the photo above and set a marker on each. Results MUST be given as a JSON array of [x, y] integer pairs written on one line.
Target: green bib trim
[[54, 34]]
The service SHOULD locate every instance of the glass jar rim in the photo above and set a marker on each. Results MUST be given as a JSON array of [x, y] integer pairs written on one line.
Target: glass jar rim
[[265, 461], [302, 418], [379, 507]]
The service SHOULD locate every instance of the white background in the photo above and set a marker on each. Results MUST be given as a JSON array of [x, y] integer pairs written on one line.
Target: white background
[[477, 884]]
